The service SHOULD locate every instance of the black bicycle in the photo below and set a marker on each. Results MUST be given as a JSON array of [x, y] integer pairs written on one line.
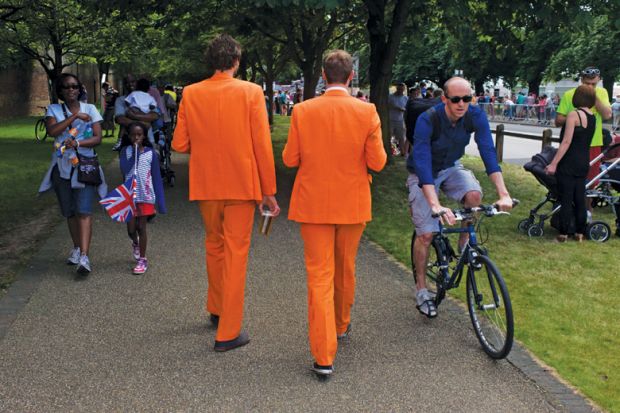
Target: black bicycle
[[40, 128], [488, 300]]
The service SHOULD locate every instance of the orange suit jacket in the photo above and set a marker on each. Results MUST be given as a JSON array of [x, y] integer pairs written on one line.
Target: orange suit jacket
[[222, 122], [334, 139]]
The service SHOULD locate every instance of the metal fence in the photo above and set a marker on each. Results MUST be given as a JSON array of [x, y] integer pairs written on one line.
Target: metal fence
[[530, 114]]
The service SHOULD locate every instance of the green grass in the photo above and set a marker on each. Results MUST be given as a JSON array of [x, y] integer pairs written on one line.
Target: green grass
[[23, 162], [565, 296]]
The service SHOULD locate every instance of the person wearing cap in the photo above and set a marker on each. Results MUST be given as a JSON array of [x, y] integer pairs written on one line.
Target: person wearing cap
[[590, 76], [222, 124], [397, 103], [333, 139]]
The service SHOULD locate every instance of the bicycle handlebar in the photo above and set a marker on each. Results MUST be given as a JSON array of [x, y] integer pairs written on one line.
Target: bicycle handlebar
[[488, 210]]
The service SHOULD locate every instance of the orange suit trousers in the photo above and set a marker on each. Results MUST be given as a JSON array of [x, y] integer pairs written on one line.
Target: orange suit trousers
[[228, 226], [329, 251]]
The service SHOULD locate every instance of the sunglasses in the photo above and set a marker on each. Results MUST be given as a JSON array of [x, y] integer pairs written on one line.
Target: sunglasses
[[457, 99], [74, 87], [591, 71]]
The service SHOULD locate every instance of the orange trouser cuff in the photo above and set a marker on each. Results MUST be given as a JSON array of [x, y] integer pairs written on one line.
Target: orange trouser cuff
[[228, 227], [330, 251]]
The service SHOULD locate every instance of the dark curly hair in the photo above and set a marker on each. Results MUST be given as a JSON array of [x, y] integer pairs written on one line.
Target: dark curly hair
[[60, 81], [126, 140], [223, 52]]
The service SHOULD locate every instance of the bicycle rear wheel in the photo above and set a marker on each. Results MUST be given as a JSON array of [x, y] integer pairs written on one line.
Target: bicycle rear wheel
[[489, 307], [40, 130]]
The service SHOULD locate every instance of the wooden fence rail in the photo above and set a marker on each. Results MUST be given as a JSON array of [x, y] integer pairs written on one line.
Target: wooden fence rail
[[546, 138]]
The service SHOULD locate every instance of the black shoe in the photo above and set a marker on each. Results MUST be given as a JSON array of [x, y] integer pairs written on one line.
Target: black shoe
[[215, 319], [323, 370], [240, 341], [345, 334]]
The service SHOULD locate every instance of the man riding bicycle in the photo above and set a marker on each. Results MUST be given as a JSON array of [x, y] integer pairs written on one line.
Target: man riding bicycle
[[440, 137]]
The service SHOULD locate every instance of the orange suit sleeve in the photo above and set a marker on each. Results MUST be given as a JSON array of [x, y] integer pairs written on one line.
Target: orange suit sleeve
[[261, 142], [290, 154], [373, 149], [180, 141]]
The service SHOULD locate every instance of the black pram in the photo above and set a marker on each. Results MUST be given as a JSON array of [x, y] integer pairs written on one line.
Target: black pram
[[609, 177]]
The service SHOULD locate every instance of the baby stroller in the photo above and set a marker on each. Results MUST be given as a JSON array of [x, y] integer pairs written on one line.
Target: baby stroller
[[598, 231], [164, 142]]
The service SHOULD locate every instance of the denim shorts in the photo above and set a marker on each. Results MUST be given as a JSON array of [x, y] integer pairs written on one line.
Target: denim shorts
[[454, 182], [70, 200]]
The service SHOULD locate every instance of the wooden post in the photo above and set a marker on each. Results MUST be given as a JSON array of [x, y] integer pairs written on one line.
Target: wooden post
[[546, 138], [499, 142]]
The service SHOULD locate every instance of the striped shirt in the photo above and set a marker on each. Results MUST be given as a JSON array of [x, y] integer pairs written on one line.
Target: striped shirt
[[144, 189]]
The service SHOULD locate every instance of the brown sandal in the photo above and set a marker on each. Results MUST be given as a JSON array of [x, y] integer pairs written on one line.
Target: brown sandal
[[561, 238], [579, 237]]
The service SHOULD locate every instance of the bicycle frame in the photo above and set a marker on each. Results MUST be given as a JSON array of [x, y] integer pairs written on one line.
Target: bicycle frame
[[468, 254]]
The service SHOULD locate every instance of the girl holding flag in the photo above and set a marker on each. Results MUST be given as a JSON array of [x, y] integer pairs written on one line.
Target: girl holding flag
[[140, 164]]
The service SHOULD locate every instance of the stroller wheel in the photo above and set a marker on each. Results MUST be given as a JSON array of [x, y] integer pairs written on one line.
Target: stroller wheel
[[524, 225], [598, 231], [535, 230]]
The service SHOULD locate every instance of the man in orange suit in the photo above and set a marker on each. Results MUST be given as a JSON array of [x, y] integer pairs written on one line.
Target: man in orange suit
[[222, 123], [333, 139]]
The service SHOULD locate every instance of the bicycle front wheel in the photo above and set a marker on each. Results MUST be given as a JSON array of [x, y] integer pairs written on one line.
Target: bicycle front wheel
[[40, 130], [489, 307]]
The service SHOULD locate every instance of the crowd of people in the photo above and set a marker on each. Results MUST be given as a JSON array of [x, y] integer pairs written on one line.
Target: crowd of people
[[222, 124]]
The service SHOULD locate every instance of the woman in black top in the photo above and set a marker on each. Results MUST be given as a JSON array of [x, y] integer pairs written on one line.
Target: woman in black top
[[571, 163]]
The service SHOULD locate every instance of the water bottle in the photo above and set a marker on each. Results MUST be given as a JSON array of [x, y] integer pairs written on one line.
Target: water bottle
[[88, 132], [60, 149]]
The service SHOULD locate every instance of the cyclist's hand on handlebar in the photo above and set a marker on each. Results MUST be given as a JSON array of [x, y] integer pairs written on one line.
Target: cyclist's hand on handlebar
[[445, 215], [504, 203]]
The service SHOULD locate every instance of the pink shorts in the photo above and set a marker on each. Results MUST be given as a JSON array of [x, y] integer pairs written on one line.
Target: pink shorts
[[144, 210]]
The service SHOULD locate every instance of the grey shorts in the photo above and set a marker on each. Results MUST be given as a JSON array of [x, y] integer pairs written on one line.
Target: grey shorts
[[397, 129], [454, 182]]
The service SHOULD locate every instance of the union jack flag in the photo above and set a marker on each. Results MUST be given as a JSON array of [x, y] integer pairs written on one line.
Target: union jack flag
[[119, 203]]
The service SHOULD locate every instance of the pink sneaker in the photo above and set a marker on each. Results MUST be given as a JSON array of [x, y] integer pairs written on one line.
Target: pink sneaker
[[136, 251], [141, 266]]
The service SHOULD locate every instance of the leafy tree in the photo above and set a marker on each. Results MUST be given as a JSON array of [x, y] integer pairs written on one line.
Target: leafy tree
[[385, 24], [49, 31], [592, 40]]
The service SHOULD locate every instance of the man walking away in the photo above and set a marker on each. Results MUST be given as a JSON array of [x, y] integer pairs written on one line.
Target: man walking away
[[222, 124], [334, 139]]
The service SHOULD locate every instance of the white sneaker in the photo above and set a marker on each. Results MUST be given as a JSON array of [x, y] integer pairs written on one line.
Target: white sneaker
[[426, 303], [84, 265], [74, 257]]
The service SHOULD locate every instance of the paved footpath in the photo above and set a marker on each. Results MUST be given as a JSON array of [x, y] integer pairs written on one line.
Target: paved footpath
[[119, 342]]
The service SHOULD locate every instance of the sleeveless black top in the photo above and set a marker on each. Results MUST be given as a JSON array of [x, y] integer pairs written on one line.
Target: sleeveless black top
[[576, 161]]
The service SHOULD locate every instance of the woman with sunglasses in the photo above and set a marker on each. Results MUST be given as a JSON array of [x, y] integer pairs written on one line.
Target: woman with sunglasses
[[76, 128]]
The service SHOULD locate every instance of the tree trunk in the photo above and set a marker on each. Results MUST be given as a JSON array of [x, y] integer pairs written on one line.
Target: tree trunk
[[608, 82], [479, 87], [311, 79], [383, 49], [533, 85], [269, 90]]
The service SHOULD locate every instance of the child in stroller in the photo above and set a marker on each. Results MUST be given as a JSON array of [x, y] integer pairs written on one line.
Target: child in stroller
[[609, 178]]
